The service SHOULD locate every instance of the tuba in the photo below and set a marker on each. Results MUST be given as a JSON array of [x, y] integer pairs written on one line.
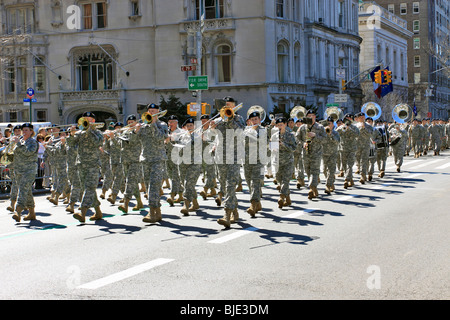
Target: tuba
[[260, 110], [371, 110], [148, 118], [334, 112], [298, 112], [84, 124], [402, 113]]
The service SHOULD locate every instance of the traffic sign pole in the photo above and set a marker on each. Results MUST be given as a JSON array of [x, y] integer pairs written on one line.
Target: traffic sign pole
[[30, 95]]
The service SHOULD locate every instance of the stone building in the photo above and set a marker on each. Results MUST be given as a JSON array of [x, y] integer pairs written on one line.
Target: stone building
[[111, 56]]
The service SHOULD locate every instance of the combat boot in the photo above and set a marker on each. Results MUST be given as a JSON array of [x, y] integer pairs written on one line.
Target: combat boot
[[212, 192], [51, 196], [258, 206], [98, 214], [363, 179], [151, 216], [81, 216], [310, 193], [234, 216], [180, 198], [253, 208], [17, 213], [239, 187], [124, 206], [103, 194], [300, 183], [31, 215], [139, 204], [351, 183], [346, 184], [158, 216], [204, 193], [381, 175], [341, 174], [161, 191], [71, 207], [333, 187], [171, 199], [287, 201], [195, 206], [55, 199], [281, 201], [112, 198], [11, 206], [225, 220], [219, 199], [166, 184], [67, 201], [328, 189], [185, 209]]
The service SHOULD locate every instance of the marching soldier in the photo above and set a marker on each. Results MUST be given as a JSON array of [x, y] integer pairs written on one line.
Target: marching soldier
[[191, 166], [26, 151], [113, 146], [311, 135], [59, 156], [172, 164], [17, 132], [415, 134], [330, 152], [348, 133], [253, 167], [130, 151], [363, 145], [209, 168], [374, 140], [72, 170], [153, 156], [89, 141], [382, 147], [228, 162], [298, 159], [398, 144], [435, 137]]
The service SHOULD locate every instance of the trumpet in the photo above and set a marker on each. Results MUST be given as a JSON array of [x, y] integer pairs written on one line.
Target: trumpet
[[148, 118], [84, 124]]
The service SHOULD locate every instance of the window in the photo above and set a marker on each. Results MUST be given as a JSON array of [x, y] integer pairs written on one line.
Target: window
[[416, 43], [403, 9], [391, 8], [223, 63], [297, 63], [341, 14], [39, 74], [416, 61], [279, 9], [10, 76], [22, 74], [135, 9], [94, 15], [20, 20], [416, 25], [213, 9], [41, 115], [417, 78], [416, 8], [282, 63], [94, 72]]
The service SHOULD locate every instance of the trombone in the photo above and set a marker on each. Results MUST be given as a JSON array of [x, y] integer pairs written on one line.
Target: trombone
[[84, 124], [147, 117]]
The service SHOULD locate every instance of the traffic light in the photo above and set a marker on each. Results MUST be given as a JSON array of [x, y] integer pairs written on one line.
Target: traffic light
[[378, 77], [388, 76], [343, 85]]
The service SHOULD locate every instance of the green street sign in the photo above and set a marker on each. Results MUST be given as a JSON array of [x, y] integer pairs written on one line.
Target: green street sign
[[198, 83]]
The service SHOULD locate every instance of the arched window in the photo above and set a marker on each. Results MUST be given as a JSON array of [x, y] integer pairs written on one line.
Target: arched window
[[93, 71], [223, 63], [283, 62]]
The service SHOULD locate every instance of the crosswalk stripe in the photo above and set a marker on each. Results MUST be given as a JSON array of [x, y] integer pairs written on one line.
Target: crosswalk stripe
[[425, 164], [124, 274], [443, 166]]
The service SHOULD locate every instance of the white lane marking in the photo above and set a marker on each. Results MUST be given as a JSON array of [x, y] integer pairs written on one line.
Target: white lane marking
[[124, 274], [415, 175], [300, 213], [380, 186], [344, 198], [425, 164], [234, 235], [443, 166], [405, 164]]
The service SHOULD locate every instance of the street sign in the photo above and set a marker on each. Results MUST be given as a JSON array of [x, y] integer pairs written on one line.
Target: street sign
[[28, 100], [188, 68], [198, 83], [30, 92], [194, 61], [340, 73], [340, 98]]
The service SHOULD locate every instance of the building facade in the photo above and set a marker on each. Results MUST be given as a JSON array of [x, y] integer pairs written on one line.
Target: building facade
[[428, 51], [111, 56]]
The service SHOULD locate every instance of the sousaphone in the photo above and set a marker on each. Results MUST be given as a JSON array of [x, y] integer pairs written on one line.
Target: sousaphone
[[372, 110], [402, 113]]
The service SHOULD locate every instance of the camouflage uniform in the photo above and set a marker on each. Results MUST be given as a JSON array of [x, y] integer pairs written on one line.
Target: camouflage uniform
[[25, 170], [313, 154], [287, 147], [172, 164], [348, 135], [88, 164], [330, 151], [398, 150], [59, 155], [435, 137], [192, 165], [105, 170], [117, 174], [363, 148], [415, 134], [209, 168], [72, 170], [152, 158], [129, 157], [375, 139]]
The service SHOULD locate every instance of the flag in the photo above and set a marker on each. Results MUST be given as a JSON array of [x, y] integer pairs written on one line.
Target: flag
[[376, 86], [415, 108], [386, 87]]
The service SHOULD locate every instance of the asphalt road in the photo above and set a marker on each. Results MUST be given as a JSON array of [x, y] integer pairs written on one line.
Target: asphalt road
[[387, 239]]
